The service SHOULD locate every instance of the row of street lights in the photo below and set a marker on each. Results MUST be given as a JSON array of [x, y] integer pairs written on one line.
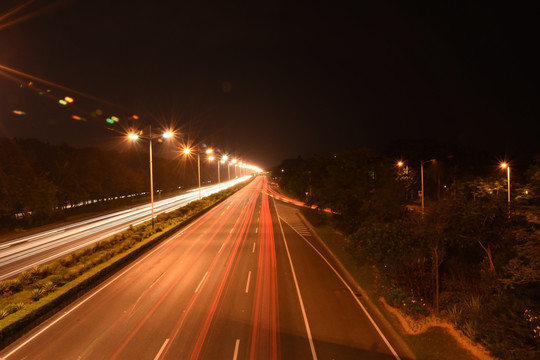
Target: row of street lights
[[224, 159], [504, 165], [149, 138], [135, 136]]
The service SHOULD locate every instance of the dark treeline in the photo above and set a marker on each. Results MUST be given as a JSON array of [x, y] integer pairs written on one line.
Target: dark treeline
[[470, 257], [41, 182]]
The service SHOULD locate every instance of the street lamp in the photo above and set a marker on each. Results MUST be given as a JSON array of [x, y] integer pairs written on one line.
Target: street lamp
[[188, 151], [211, 158], [422, 178], [149, 138], [234, 161], [222, 161], [400, 164], [506, 166]]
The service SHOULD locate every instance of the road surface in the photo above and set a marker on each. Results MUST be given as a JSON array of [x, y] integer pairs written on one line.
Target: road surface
[[23, 253], [247, 280]]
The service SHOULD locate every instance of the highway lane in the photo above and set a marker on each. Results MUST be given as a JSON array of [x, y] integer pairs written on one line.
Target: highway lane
[[241, 282], [23, 253]]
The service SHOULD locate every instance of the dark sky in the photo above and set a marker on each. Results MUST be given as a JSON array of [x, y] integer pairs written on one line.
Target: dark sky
[[275, 80]]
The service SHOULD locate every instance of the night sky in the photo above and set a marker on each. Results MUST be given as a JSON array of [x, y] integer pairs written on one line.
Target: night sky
[[269, 81]]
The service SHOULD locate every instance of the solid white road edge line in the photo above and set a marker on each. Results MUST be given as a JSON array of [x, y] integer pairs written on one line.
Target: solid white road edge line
[[352, 292], [304, 315]]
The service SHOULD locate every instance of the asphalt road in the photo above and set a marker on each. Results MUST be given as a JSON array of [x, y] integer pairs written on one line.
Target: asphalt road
[[245, 281], [23, 253]]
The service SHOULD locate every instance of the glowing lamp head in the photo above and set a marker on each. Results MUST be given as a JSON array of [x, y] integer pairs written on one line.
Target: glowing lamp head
[[187, 151], [504, 165], [167, 134], [133, 136], [400, 163]]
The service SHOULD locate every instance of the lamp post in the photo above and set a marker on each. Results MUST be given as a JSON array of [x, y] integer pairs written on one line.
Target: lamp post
[[150, 137], [211, 158], [403, 174], [188, 151], [234, 161], [225, 160], [422, 179], [506, 166]]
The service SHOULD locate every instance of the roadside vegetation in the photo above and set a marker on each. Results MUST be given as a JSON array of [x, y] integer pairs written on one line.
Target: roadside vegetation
[[42, 183], [38, 292], [470, 260]]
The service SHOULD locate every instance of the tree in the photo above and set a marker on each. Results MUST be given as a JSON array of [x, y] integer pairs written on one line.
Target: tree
[[399, 247], [524, 268], [533, 181]]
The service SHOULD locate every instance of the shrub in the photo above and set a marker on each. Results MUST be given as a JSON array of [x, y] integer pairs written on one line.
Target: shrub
[[41, 272], [14, 285], [3, 286], [163, 217], [25, 278], [470, 329], [37, 294], [57, 280], [399, 298], [86, 252], [48, 287], [66, 261], [455, 314], [11, 308], [70, 274], [10, 286]]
